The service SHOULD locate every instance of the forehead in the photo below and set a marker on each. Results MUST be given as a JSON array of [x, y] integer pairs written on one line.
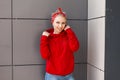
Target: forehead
[[60, 18]]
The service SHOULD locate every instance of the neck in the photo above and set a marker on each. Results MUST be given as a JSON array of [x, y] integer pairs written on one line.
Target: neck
[[55, 32]]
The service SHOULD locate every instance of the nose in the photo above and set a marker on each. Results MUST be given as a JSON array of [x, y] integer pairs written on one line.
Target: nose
[[60, 25]]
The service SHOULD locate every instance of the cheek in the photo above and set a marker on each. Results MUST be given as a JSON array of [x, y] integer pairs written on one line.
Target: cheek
[[55, 26], [63, 27]]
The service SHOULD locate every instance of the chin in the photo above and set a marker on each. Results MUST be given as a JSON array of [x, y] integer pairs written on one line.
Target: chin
[[60, 31]]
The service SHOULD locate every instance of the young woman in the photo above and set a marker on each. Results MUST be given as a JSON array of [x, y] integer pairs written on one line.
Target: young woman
[[57, 47]]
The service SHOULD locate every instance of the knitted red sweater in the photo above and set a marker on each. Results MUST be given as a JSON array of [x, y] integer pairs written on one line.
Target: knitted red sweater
[[57, 50]]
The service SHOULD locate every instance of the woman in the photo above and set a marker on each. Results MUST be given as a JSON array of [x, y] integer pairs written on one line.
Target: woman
[[57, 46]]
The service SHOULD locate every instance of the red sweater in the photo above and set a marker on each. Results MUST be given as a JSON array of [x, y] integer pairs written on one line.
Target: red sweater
[[57, 50]]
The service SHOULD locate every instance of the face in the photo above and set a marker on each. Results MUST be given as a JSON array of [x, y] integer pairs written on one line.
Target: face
[[59, 24]]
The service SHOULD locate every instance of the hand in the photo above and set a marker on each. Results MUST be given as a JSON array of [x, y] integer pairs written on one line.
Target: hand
[[67, 27], [46, 33]]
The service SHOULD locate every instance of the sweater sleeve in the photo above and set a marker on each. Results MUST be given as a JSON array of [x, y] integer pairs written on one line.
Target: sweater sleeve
[[73, 41], [44, 47]]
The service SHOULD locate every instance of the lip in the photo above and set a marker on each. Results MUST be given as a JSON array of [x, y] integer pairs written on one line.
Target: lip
[[60, 29]]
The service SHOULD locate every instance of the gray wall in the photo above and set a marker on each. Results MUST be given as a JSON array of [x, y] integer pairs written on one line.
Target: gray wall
[[21, 24]]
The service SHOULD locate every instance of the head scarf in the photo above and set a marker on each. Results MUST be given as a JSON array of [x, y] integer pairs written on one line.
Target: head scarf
[[56, 13]]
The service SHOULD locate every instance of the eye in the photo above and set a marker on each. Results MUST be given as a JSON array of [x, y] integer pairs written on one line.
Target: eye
[[58, 22], [63, 23]]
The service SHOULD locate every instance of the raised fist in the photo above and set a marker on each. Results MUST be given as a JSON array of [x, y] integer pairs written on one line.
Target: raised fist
[[46, 33]]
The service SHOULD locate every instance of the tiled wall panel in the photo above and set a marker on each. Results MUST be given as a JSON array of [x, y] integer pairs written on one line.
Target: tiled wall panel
[[76, 9], [94, 73], [26, 36], [32, 72], [5, 42], [96, 8], [96, 42], [6, 73], [5, 8], [80, 72]]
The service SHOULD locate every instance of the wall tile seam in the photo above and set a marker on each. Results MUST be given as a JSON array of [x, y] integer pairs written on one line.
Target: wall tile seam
[[5, 65], [31, 64], [81, 63], [24, 19], [38, 19], [5, 18], [95, 67], [27, 64], [21, 65], [96, 18], [12, 72]]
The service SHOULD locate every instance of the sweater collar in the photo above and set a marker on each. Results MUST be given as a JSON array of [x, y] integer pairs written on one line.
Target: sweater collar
[[56, 35]]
